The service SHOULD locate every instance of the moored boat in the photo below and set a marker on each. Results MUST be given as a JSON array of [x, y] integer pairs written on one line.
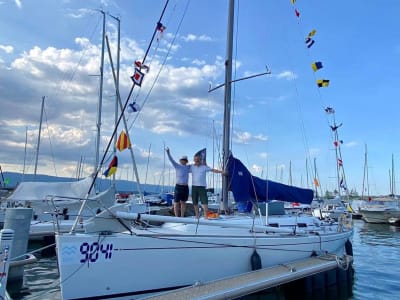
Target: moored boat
[[125, 254]]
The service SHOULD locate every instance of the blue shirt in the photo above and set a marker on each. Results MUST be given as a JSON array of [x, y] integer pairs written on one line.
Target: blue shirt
[[182, 171]]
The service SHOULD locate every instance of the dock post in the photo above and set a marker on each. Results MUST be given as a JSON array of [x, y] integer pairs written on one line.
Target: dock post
[[19, 220], [6, 239]]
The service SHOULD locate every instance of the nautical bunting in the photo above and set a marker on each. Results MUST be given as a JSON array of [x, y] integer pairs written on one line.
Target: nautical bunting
[[133, 107], [323, 83], [329, 110], [312, 33], [309, 42], [139, 65], [137, 78], [334, 128], [316, 182], [112, 167], [337, 143], [340, 162], [160, 28], [316, 66], [342, 185], [123, 141]]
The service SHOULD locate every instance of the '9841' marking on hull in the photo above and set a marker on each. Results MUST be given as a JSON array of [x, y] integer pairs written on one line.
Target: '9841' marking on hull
[[86, 252]]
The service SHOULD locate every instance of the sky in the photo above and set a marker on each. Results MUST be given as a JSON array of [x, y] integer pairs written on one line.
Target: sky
[[280, 129]]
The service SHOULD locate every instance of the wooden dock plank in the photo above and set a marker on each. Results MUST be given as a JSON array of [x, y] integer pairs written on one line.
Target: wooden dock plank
[[251, 282]]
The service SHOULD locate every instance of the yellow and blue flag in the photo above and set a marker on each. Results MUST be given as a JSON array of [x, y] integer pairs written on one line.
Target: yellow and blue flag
[[316, 66]]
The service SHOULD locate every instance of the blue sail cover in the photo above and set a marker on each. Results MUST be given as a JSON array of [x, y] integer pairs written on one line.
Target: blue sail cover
[[248, 189]]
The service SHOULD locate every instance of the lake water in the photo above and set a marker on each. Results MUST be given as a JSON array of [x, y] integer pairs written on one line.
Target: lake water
[[376, 264]]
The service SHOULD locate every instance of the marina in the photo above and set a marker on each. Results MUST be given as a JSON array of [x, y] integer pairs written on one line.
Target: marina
[[244, 234], [375, 247]]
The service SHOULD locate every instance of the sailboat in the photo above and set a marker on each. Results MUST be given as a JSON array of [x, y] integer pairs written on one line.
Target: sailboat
[[123, 254], [383, 210]]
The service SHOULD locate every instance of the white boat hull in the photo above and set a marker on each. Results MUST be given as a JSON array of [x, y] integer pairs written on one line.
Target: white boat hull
[[379, 216], [161, 259]]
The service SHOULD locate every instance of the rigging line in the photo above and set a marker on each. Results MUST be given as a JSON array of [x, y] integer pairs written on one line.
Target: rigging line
[[162, 65]]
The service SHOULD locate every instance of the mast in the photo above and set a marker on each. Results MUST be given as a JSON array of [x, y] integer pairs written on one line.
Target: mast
[[98, 125], [117, 86], [393, 191], [227, 102], [336, 140], [40, 131], [26, 142], [365, 177]]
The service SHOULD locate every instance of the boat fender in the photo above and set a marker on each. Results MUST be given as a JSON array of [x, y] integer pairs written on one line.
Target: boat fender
[[349, 248], [255, 260], [65, 213]]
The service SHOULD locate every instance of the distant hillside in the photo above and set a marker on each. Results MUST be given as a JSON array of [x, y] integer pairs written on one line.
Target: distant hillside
[[12, 179]]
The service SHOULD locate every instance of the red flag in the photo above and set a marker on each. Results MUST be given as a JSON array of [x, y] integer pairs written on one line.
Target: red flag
[[123, 141], [142, 66], [137, 78]]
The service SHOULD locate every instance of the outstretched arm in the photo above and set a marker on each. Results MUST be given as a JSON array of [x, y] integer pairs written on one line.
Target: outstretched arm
[[219, 171], [173, 162]]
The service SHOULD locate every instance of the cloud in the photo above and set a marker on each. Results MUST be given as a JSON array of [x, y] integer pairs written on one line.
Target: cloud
[[245, 137], [80, 13], [351, 144], [288, 75], [7, 48], [198, 62], [194, 38], [18, 3]]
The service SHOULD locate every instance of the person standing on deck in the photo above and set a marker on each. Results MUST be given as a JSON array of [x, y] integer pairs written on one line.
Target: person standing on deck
[[181, 192], [199, 183]]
